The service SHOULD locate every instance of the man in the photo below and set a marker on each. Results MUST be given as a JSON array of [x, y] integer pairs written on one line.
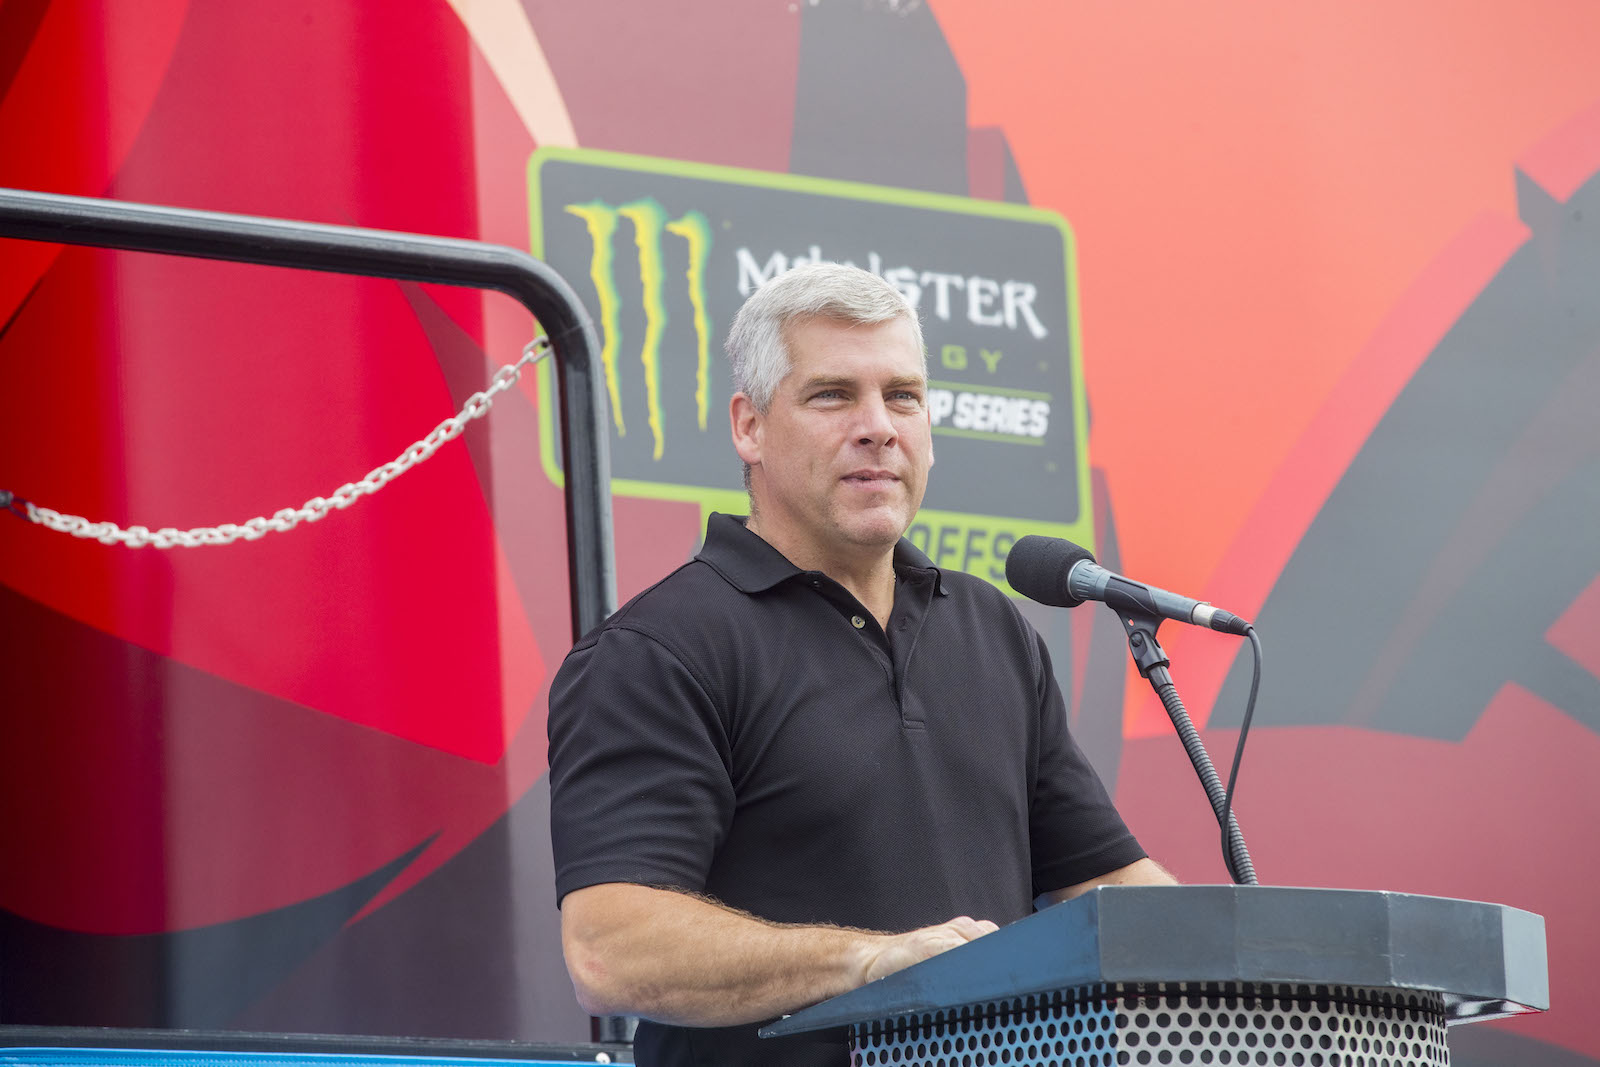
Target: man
[[809, 733]]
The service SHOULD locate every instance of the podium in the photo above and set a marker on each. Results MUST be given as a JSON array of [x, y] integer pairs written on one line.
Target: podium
[[1225, 975]]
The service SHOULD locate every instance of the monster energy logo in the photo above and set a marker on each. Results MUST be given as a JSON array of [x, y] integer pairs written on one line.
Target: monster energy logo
[[649, 221], [993, 283]]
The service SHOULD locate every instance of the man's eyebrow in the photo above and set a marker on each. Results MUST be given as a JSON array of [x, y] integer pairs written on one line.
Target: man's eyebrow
[[846, 382], [834, 382]]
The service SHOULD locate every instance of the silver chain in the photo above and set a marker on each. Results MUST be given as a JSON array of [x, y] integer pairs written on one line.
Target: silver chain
[[477, 406]]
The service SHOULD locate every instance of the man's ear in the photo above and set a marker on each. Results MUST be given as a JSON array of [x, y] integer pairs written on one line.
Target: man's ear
[[746, 424]]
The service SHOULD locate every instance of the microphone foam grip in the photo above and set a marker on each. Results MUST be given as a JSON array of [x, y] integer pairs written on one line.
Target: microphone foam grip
[[1037, 567]]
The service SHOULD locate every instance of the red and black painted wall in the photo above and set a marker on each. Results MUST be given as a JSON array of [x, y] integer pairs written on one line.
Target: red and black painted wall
[[1336, 269]]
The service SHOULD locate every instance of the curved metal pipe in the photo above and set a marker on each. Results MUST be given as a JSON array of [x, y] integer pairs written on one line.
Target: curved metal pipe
[[386, 254]]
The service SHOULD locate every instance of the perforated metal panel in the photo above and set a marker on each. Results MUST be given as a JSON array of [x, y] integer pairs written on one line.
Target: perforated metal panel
[[112, 1057], [1248, 1025]]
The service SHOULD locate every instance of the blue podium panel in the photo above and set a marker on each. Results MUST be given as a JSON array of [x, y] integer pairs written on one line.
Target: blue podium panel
[[1224, 975], [1481, 961], [113, 1057]]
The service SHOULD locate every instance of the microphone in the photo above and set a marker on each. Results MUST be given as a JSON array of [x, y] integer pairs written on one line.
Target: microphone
[[1061, 574]]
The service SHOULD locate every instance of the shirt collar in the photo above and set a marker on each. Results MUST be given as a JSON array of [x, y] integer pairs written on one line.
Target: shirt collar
[[751, 565]]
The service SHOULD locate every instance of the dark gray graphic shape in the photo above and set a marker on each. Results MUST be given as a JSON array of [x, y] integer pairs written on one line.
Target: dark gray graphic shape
[[1466, 525], [190, 979], [471, 951], [880, 98], [193, 978]]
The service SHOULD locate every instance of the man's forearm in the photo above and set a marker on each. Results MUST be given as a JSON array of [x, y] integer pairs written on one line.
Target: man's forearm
[[1139, 872], [675, 958]]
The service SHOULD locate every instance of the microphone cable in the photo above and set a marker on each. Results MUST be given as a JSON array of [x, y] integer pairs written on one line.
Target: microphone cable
[[1238, 755]]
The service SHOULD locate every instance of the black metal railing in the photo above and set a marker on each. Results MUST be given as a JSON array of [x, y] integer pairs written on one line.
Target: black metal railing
[[409, 257]]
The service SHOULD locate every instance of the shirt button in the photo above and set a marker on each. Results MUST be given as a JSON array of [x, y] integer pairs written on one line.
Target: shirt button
[[857, 621]]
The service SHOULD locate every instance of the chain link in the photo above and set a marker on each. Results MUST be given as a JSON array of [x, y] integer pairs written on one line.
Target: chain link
[[477, 406]]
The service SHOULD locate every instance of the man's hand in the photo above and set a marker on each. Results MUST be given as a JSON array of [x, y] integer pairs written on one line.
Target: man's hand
[[678, 958], [896, 952]]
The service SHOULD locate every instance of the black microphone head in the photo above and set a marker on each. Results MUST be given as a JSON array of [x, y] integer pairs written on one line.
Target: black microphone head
[[1037, 567]]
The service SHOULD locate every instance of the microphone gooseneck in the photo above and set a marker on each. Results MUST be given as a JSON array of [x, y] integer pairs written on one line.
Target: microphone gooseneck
[[1058, 573]]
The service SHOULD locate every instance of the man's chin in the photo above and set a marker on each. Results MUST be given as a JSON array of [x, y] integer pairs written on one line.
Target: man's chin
[[881, 530]]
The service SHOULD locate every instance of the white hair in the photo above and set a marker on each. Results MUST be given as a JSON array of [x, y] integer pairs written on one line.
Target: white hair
[[757, 344]]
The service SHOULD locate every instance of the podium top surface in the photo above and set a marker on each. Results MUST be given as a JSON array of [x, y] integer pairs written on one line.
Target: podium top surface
[[1486, 959]]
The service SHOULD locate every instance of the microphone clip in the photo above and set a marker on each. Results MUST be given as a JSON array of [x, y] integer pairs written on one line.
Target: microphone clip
[[1148, 655]]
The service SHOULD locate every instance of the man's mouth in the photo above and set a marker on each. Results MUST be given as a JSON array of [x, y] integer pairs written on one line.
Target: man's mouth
[[871, 477]]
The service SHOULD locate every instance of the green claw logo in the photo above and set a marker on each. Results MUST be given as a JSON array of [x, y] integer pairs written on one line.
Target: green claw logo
[[649, 221]]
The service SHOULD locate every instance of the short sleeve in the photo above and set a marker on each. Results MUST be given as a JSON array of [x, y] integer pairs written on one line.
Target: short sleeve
[[1075, 830], [640, 789]]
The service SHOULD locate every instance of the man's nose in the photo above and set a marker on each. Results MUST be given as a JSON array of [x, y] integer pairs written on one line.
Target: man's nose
[[876, 425]]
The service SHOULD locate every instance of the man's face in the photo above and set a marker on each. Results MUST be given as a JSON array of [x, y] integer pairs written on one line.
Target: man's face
[[840, 458]]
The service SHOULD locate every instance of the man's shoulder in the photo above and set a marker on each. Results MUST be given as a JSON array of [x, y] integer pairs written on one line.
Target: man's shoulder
[[692, 620], [689, 599]]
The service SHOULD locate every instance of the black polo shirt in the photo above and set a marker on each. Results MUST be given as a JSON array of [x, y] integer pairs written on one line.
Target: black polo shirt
[[746, 729]]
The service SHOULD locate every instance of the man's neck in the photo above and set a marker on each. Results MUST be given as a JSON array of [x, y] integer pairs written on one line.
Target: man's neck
[[868, 574]]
